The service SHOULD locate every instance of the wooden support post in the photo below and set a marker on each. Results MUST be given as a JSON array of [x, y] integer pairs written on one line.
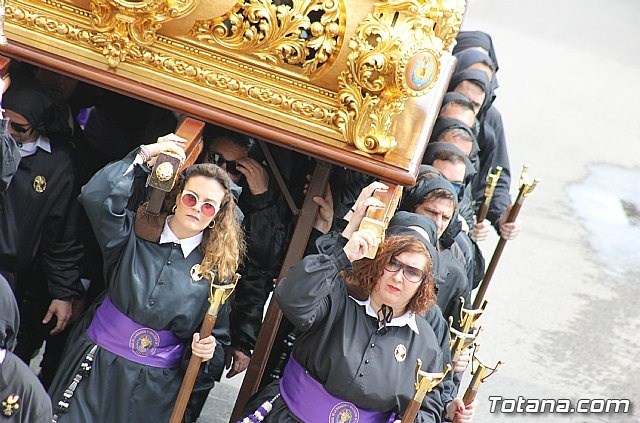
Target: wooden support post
[[271, 325]]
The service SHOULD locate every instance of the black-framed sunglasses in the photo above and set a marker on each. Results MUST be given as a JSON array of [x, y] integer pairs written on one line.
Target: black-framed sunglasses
[[219, 160], [410, 273], [20, 128]]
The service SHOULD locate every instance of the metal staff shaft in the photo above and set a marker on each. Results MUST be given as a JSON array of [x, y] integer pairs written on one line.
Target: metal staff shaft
[[492, 181], [218, 297], [526, 186]]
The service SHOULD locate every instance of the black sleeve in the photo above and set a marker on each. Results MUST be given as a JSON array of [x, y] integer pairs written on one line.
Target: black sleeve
[[9, 156], [265, 228], [267, 239], [61, 249], [304, 294], [105, 199], [247, 307], [501, 197]]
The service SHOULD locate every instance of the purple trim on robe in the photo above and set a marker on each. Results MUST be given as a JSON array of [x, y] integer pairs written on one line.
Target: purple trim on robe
[[310, 402], [117, 333]]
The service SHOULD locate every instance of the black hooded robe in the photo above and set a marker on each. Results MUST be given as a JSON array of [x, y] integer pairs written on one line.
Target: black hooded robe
[[151, 284], [15, 377]]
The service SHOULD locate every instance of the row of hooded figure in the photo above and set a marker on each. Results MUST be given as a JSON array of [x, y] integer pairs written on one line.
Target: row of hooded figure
[[70, 254]]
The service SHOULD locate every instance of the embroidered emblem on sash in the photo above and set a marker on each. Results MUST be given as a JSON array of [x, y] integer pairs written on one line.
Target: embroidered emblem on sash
[[196, 272], [10, 405], [400, 353], [39, 184], [144, 342], [344, 412]]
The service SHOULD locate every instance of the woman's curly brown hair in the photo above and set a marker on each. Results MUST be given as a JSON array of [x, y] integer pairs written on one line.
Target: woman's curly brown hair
[[223, 246], [366, 272]]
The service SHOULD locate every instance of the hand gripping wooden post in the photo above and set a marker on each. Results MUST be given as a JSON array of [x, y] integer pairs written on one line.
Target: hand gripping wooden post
[[425, 382], [492, 181], [479, 376], [527, 184], [377, 219], [218, 295], [149, 219]]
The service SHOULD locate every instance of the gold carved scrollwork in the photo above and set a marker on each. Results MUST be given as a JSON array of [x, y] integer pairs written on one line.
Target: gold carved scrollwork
[[302, 33], [395, 54], [448, 20], [126, 27]]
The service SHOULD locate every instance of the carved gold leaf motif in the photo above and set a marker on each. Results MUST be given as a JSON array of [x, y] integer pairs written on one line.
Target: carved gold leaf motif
[[302, 33], [127, 26], [395, 53]]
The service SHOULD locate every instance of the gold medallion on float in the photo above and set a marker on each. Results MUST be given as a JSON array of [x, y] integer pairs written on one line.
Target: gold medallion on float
[[400, 353], [39, 184], [196, 273]]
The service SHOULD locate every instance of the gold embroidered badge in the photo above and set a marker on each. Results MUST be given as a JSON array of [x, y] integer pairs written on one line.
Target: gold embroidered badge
[[39, 184], [10, 405], [196, 273], [400, 353]]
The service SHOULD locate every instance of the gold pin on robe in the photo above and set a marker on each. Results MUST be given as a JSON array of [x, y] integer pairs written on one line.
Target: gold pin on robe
[[39, 184]]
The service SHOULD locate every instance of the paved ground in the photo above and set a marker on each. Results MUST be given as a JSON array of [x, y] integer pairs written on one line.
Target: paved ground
[[563, 305]]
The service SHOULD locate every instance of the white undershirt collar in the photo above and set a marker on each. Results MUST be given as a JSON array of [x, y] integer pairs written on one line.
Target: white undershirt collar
[[186, 244], [407, 319]]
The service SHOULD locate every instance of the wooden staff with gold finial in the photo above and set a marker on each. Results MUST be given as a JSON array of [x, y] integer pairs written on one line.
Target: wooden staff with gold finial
[[479, 373], [492, 182], [425, 382], [527, 184], [218, 295]]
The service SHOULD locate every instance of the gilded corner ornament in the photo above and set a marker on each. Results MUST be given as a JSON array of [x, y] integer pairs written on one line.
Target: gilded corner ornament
[[127, 27], [301, 33], [395, 54]]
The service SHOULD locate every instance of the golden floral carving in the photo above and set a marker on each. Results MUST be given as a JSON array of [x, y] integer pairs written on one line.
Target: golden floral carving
[[127, 26], [304, 34], [218, 80], [394, 54]]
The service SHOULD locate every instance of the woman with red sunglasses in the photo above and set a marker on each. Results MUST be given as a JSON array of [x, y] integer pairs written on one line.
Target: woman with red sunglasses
[[129, 355]]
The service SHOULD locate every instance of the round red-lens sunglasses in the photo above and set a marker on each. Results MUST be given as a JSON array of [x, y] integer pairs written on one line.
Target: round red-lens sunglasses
[[191, 200]]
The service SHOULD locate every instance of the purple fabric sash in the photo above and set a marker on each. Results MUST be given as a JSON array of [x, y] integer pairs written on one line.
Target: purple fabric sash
[[117, 333], [310, 402]]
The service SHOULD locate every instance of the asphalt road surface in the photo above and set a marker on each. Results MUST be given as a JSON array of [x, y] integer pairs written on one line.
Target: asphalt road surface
[[563, 303]]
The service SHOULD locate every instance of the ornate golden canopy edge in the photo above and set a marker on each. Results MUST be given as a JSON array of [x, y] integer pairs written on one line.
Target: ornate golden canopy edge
[[180, 64]]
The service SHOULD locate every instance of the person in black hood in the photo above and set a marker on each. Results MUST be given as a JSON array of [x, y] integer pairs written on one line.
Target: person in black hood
[[24, 400], [476, 59], [39, 249], [434, 197], [406, 223], [476, 40]]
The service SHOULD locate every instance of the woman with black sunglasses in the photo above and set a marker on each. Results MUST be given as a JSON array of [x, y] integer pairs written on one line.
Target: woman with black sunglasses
[[129, 350]]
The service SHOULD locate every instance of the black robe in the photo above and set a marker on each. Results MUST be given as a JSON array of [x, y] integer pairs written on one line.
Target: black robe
[[148, 282], [493, 153], [9, 156], [341, 346], [15, 376], [42, 224]]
